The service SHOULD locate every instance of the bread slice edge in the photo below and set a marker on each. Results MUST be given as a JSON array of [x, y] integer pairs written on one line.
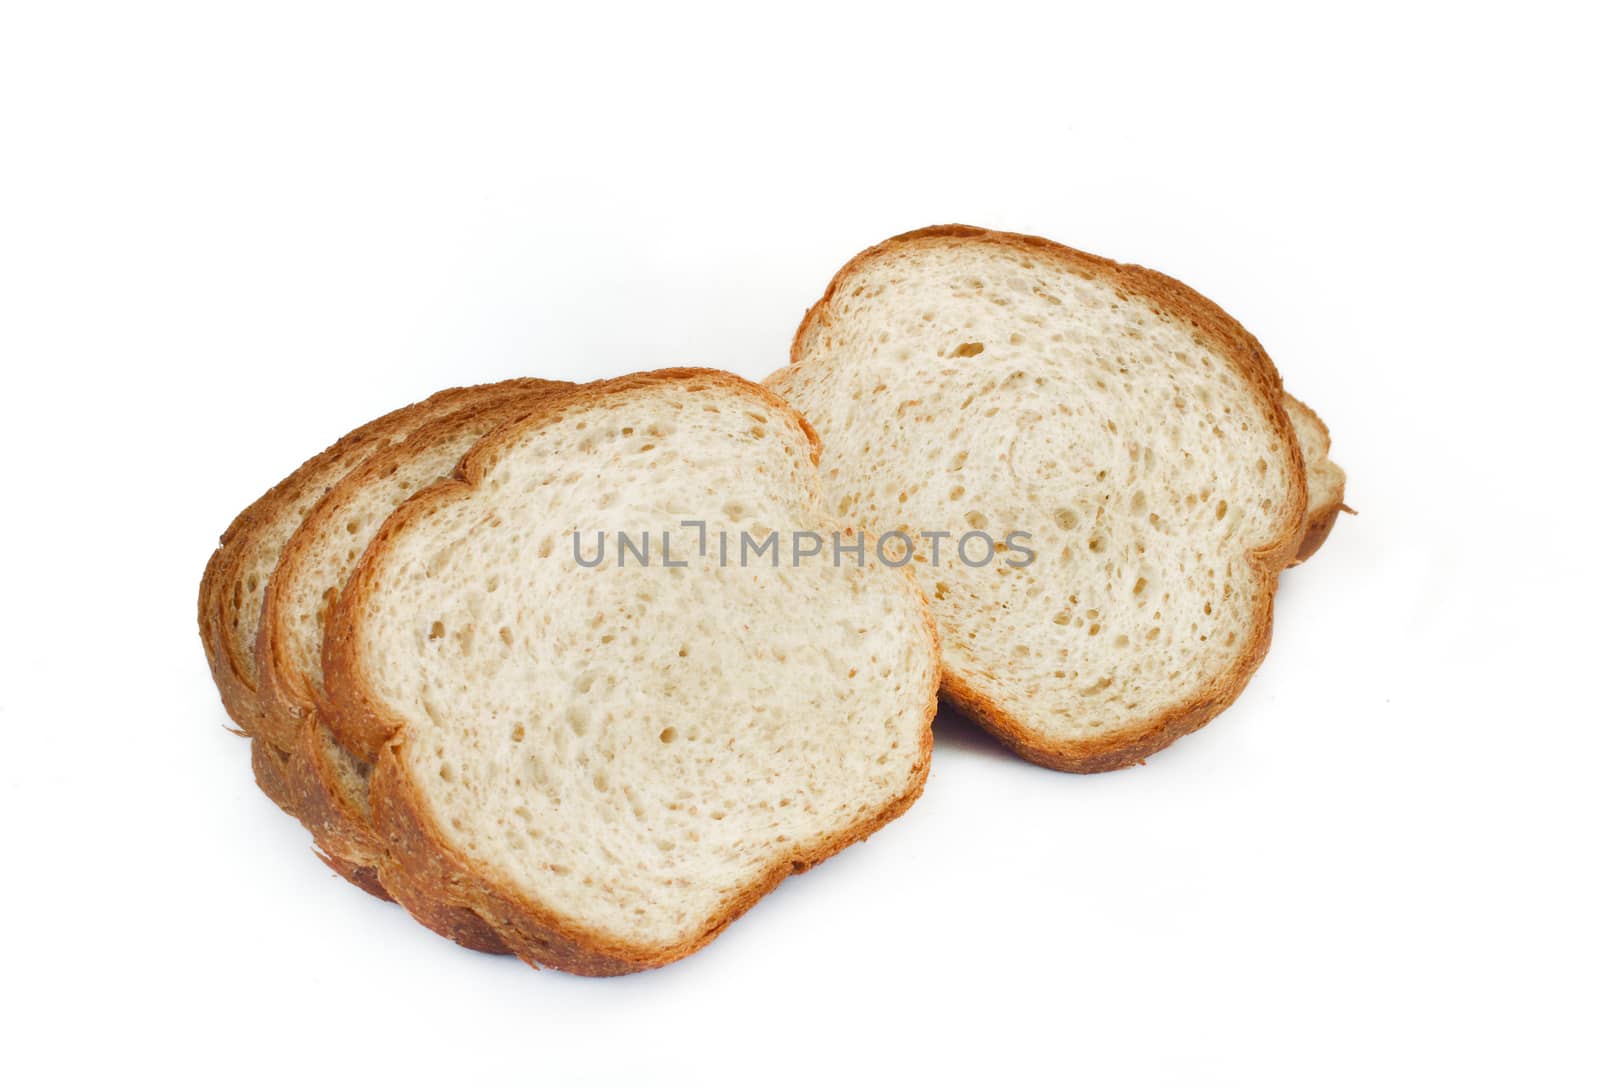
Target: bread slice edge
[[420, 860], [284, 696], [1135, 743]]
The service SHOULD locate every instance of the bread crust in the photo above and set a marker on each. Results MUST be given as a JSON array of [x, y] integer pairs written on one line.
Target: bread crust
[[273, 779], [348, 845], [1135, 743], [258, 705], [1319, 518], [268, 765], [303, 781], [222, 593], [418, 859], [222, 590], [285, 695], [1318, 525]]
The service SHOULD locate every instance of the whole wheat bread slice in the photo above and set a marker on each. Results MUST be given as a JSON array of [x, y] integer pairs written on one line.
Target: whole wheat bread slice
[[965, 380], [609, 765], [325, 787]]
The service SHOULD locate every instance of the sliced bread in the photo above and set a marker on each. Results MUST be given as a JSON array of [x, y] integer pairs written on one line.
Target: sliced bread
[[325, 787], [609, 764], [234, 586], [965, 380], [322, 551]]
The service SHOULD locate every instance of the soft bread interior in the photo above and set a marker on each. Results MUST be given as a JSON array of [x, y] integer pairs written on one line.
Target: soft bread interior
[[326, 547], [964, 385], [633, 748]]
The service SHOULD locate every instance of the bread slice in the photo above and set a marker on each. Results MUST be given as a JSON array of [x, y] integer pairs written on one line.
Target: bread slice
[[609, 765], [1324, 479], [325, 787], [320, 554], [964, 381], [233, 588], [232, 594]]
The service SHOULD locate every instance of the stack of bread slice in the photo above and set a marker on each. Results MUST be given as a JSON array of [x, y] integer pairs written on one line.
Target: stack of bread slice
[[597, 766]]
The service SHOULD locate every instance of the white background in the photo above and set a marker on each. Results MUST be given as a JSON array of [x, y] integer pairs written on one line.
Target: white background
[[228, 234]]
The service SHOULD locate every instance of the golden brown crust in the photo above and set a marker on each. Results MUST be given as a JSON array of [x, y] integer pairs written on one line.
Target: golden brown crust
[[271, 773], [1118, 749], [1210, 322], [335, 821], [223, 587], [1319, 518], [275, 778], [348, 845], [285, 695], [363, 877], [419, 861], [238, 698], [308, 785], [246, 698], [230, 652], [1319, 523]]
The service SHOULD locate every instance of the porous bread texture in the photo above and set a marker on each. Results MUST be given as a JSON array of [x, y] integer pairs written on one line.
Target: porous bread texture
[[322, 551], [610, 764], [232, 598], [1324, 479], [968, 380], [234, 585], [321, 784]]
